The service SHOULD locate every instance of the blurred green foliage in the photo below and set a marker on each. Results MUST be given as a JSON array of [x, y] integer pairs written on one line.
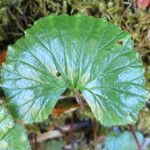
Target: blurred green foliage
[[53, 144]]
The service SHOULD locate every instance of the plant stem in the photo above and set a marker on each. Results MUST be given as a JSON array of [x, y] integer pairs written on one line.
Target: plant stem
[[79, 99], [135, 137], [35, 139], [95, 130]]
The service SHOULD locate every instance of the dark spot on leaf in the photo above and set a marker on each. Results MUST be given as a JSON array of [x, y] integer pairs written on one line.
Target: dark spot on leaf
[[128, 113], [58, 74], [120, 42]]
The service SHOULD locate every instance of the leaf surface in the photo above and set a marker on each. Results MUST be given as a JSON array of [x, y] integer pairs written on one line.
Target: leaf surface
[[12, 136], [122, 141], [74, 52]]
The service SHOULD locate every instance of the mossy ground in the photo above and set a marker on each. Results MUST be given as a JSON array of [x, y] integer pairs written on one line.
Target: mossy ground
[[17, 15]]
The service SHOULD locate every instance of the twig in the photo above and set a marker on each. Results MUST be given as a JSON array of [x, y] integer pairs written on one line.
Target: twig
[[35, 140], [59, 133], [95, 130], [66, 97], [48, 135]]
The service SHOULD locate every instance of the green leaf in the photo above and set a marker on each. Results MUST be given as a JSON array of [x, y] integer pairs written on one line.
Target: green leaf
[[12, 137], [52, 144], [122, 141], [76, 52]]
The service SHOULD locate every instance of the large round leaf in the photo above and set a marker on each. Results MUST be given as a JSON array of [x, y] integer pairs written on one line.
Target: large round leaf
[[122, 141], [76, 52], [12, 137]]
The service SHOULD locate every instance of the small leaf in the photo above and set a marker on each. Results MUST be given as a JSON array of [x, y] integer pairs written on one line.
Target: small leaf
[[122, 141], [12, 137], [81, 53]]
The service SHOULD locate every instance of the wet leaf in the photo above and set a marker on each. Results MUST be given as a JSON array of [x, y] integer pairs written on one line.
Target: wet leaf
[[122, 141], [74, 52], [12, 136]]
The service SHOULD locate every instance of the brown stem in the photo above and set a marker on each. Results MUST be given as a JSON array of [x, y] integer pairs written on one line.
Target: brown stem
[[35, 144], [79, 99], [95, 130], [135, 137]]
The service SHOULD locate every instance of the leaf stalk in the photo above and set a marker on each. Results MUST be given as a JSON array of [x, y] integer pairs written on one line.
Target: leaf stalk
[[135, 137]]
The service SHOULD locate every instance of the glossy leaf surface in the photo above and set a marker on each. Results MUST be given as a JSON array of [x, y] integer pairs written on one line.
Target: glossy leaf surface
[[122, 141], [76, 52], [12, 137]]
